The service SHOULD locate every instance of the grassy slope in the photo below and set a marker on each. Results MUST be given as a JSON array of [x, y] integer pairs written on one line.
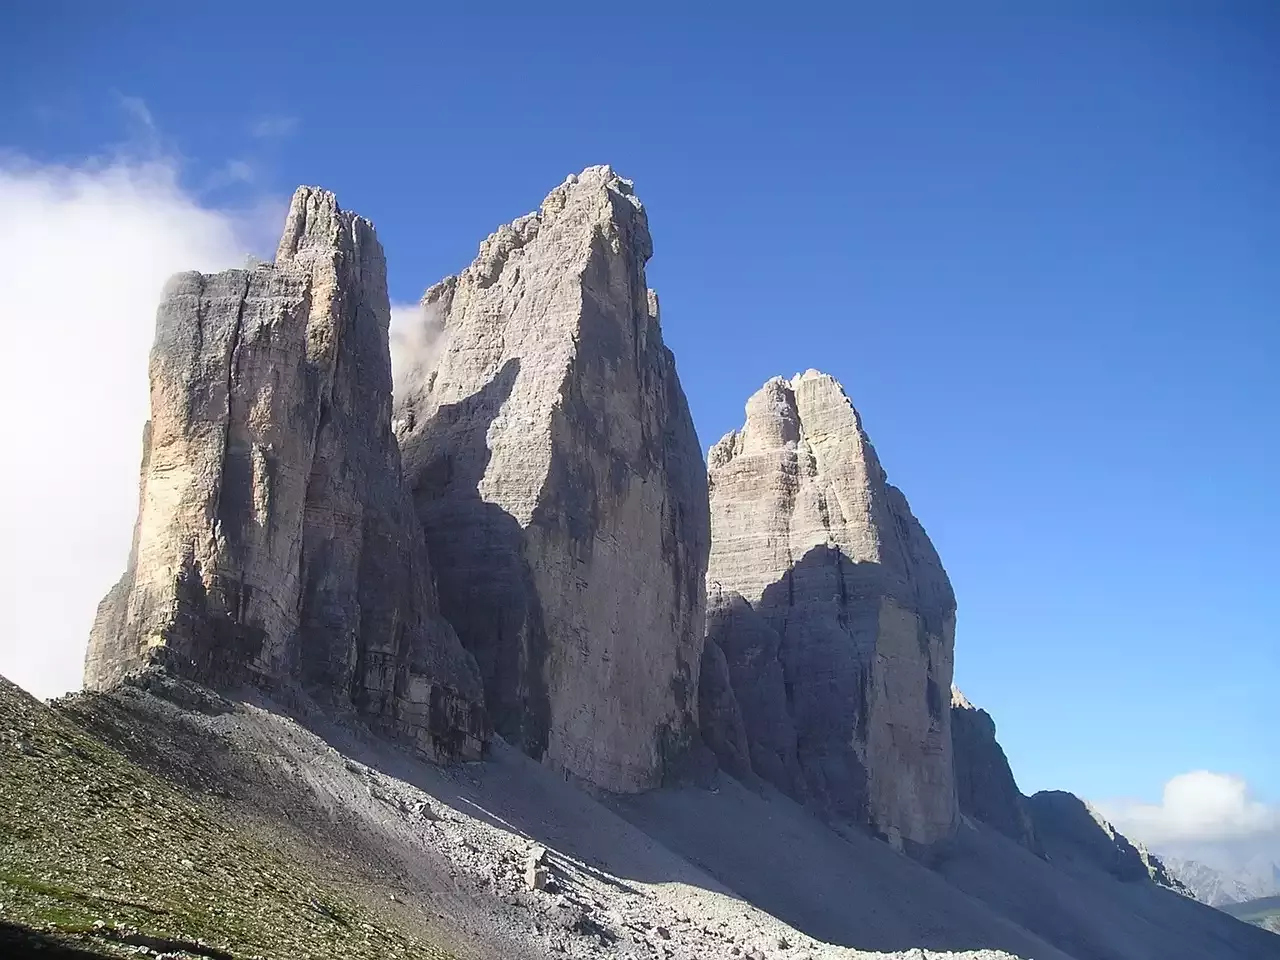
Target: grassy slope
[[1263, 912], [94, 850]]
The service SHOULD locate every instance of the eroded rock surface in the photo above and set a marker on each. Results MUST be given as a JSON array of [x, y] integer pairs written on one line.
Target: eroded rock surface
[[985, 786], [834, 614], [560, 482], [275, 539]]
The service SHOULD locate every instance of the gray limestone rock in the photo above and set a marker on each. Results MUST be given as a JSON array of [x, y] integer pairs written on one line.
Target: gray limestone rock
[[560, 483], [1073, 829], [835, 616], [749, 647], [719, 717], [276, 541], [985, 787]]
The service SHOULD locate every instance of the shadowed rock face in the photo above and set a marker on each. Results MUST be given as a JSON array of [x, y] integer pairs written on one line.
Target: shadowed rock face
[[275, 540], [985, 787], [560, 483], [1072, 829], [834, 614]]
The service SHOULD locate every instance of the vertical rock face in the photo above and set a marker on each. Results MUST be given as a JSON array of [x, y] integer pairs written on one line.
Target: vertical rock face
[[834, 615], [275, 539], [558, 477], [985, 787]]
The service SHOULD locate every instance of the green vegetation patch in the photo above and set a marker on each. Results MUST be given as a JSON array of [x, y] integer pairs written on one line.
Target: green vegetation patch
[[96, 850], [1263, 912]]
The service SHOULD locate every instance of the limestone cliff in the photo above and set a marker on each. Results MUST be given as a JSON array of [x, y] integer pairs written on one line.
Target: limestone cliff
[[985, 787], [275, 539], [834, 615], [560, 482]]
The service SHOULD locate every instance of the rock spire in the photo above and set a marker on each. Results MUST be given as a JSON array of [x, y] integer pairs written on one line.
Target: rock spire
[[275, 541], [833, 615], [557, 474]]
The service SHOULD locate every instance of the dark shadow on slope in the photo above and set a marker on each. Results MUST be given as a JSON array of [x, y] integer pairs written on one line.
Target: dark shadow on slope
[[760, 847], [766, 850], [1083, 907], [854, 890], [850, 889], [830, 880], [476, 550], [22, 942]]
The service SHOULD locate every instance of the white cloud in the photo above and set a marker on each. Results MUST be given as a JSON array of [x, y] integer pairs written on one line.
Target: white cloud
[[238, 171], [417, 338], [230, 174], [273, 127], [84, 253], [137, 108], [1196, 807]]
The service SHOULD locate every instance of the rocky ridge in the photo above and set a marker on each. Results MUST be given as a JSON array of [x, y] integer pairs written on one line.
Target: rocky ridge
[[275, 541], [833, 616], [1072, 828], [559, 479], [985, 787], [1219, 887]]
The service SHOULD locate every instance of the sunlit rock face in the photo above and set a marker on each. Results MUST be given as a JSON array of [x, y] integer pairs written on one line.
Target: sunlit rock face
[[834, 615], [276, 541], [560, 482]]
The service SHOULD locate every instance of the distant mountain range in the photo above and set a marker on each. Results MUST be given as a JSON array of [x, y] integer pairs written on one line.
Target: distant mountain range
[[1263, 912], [1218, 887]]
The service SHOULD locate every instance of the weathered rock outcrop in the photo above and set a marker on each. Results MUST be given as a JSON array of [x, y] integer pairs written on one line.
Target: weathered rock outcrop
[[1072, 829], [276, 541], [834, 614], [558, 477], [985, 787]]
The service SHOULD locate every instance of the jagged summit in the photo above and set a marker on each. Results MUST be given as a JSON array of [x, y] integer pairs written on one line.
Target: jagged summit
[[597, 195], [560, 482], [833, 614], [958, 699], [275, 541], [316, 224]]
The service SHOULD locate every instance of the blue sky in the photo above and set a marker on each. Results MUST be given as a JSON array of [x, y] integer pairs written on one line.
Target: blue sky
[[1038, 243]]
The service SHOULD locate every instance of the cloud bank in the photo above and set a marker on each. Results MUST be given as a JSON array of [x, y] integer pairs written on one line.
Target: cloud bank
[[1197, 807], [84, 253]]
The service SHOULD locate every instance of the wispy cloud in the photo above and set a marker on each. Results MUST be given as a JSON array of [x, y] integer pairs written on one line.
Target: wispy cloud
[[232, 173], [1200, 806], [137, 108], [145, 140], [418, 337], [274, 127]]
